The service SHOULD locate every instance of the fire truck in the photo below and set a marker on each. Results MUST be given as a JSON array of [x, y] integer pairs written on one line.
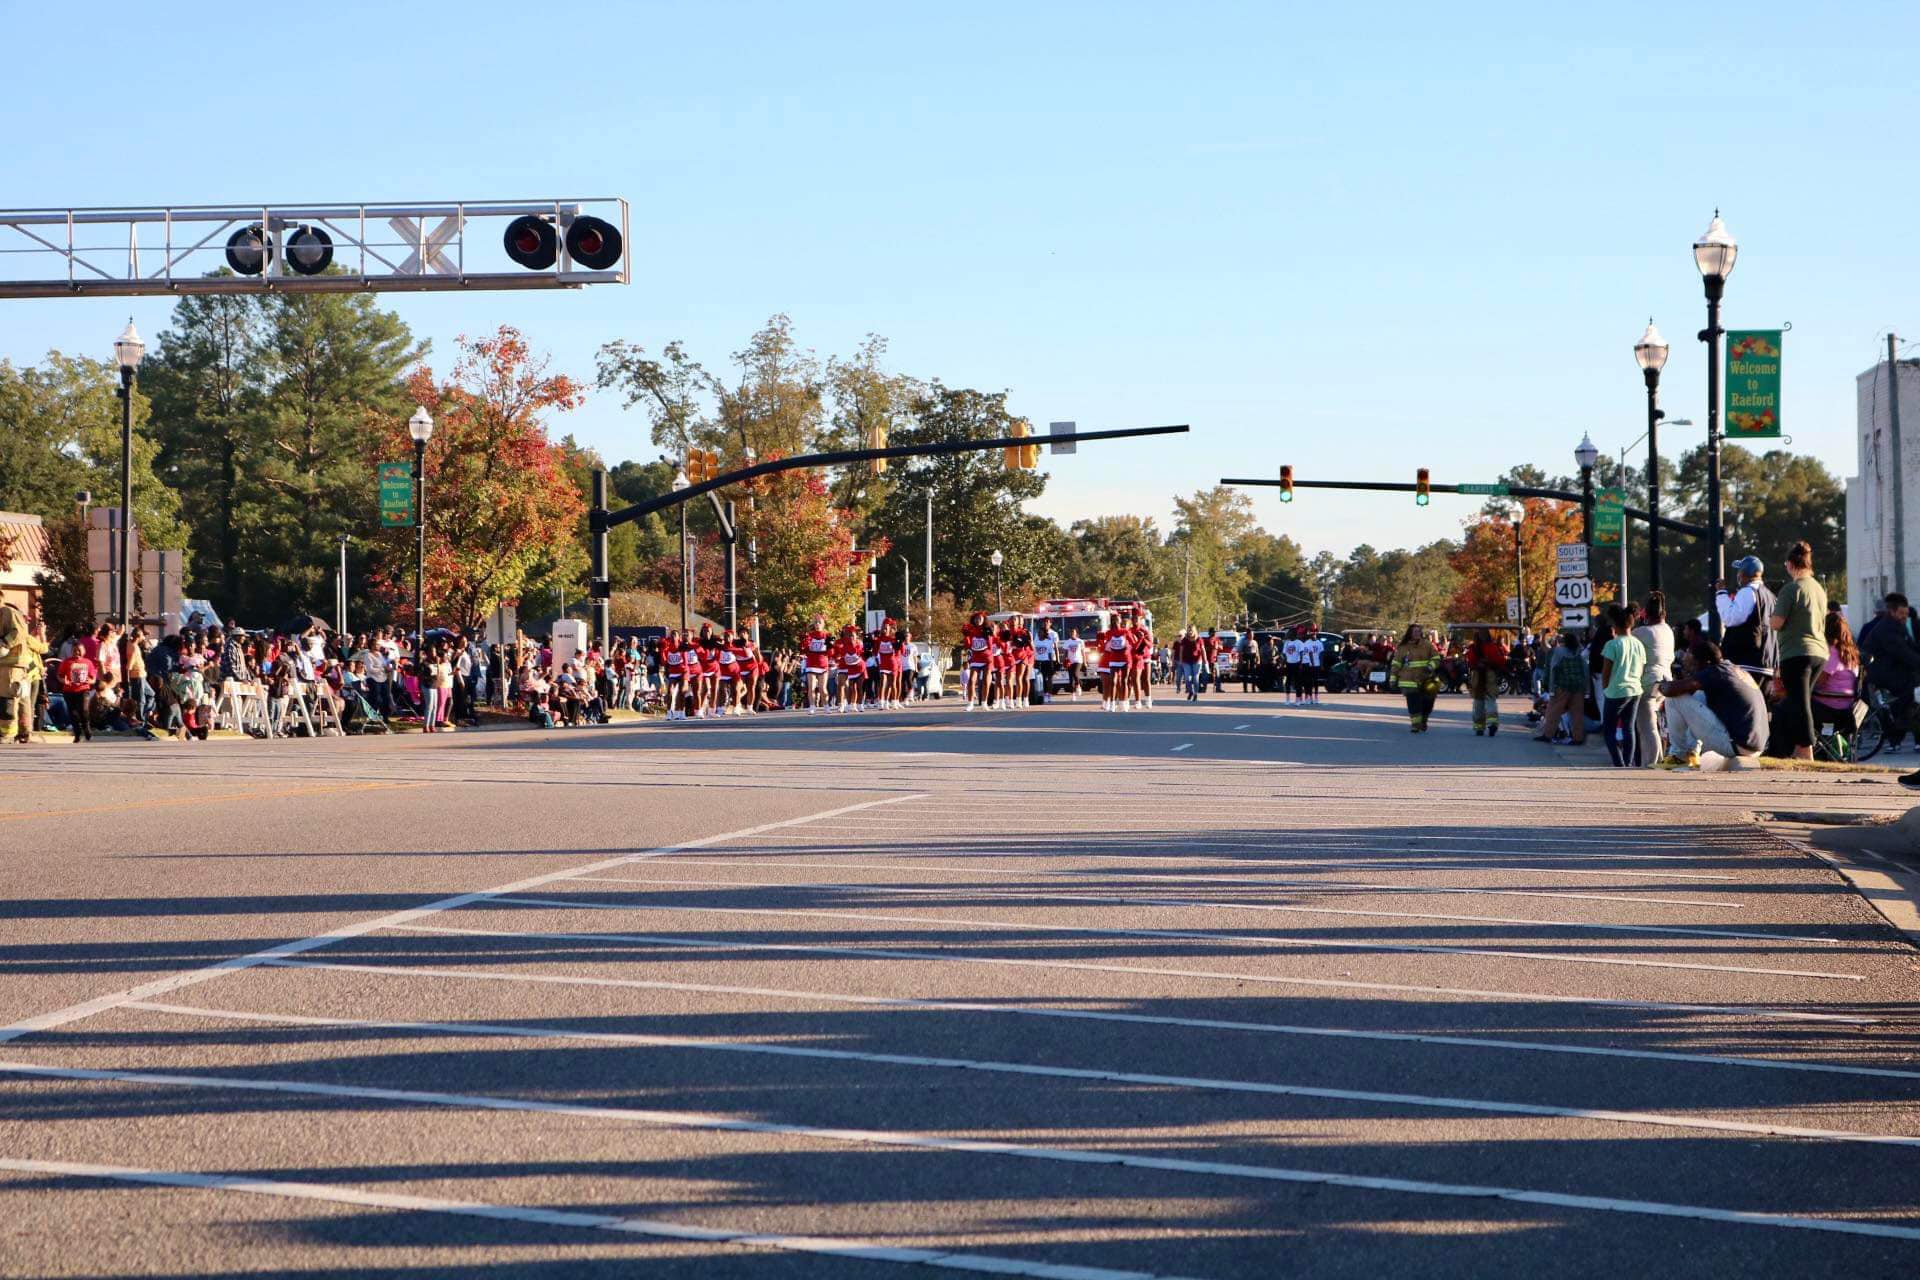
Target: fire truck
[[1085, 618]]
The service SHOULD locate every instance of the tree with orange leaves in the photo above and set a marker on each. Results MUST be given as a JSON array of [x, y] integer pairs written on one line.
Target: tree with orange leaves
[[1485, 562], [502, 514]]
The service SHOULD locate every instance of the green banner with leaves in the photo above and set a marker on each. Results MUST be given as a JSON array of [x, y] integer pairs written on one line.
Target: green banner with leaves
[[1753, 384], [1609, 517], [396, 495]]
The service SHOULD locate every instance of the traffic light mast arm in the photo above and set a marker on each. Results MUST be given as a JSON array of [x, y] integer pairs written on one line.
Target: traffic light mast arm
[[1513, 491], [660, 502]]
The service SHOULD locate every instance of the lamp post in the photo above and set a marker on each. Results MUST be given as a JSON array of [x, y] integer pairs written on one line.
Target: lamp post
[[1714, 253], [680, 482], [128, 351], [998, 560], [420, 427], [1651, 355], [1586, 454], [1503, 520], [906, 590]]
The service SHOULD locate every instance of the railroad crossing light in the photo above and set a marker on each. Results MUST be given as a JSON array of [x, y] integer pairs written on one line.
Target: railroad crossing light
[[308, 251], [1286, 484], [532, 241], [593, 243], [877, 439], [1420, 494], [247, 250], [702, 465]]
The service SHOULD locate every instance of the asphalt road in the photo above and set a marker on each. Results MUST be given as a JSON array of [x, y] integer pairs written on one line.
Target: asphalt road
[[1225, 990]]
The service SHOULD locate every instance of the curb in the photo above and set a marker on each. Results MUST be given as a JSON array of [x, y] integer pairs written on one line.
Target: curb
[[1891, 890]]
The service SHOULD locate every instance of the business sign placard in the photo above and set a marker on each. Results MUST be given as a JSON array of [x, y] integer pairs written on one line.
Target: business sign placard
[[1753, 384]]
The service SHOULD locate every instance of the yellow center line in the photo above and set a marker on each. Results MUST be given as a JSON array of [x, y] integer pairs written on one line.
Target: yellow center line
[[175, 800]]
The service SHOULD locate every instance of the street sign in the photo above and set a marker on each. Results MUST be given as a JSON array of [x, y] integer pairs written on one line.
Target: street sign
[[396, 495], [1490, 490], [1609, 517], [1573, 593], [1572, 619], [1753, 384], [1570, 560], [1513, 608], [1061, 429]]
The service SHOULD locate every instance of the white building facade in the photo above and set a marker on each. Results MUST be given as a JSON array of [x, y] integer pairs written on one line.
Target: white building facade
[[1873, 511]]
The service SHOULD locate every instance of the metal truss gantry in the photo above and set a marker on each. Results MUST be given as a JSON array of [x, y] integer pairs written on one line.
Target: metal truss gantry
[[413, 247]]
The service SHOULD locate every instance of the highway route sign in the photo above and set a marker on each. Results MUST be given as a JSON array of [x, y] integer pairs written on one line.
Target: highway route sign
[[1573, 593], [1571, 560]]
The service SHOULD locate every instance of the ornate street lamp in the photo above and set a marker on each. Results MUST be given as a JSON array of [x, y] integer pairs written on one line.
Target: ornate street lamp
[[1650, 353], [128, 351], [1714, 253], [420, 427]]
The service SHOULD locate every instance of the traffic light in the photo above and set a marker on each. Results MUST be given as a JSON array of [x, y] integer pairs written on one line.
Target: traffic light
[[877, 439], [1286, 484], [1420, 493], [534, 243], [702, 465], [1022, 457]]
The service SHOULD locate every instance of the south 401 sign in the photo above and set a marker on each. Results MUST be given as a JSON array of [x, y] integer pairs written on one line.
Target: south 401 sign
[[1753, 384]]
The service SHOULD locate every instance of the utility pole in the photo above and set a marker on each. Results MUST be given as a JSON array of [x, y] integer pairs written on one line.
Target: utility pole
[[929, 564], [340, 617], [906, 590], [1893, 436], [1520, 570], [1186, 585], [1623, 528]]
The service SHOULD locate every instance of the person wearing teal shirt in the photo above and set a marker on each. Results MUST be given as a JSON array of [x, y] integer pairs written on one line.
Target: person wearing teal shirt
[[1623, 661]]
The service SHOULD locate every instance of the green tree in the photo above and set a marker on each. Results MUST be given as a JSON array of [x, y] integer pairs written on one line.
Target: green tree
[[60, 424], [1208, 527], [1279, 581], [208, 376], [337, 362], [1770, 501], [1118, 557], [1390, 589], [977, 503]]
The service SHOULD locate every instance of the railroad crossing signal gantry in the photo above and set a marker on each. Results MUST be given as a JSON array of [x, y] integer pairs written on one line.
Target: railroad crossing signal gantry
[[325, 247]]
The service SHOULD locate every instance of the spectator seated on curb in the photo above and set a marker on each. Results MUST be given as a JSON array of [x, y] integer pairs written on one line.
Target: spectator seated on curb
[[1714, 707]]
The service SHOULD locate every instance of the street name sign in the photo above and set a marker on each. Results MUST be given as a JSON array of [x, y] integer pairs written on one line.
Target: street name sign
[[1573, 593], [396, 495], [1490, 490]]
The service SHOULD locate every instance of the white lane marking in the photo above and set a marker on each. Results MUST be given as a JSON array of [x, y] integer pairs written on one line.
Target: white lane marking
[[1239, 727], [174, 982], [889, 953], [971, 1146], [833, 1247], [1192, 902], [1204, 1083], [973, 838], [931, 846], [1196, 935], [1094, 1015], [1182, 747]]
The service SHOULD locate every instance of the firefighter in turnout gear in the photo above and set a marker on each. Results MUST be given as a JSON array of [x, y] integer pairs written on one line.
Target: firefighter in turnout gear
[[1416, 670]]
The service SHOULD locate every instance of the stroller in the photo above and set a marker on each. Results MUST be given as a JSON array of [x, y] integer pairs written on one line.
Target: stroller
[[358, 715]]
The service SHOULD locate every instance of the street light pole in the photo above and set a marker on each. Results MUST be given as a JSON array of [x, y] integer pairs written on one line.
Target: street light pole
[[1651, 354], [1586, 454], [1714, 253], [420, 427], [128, 351], [999, 606], [1520, 571], [340, 619], [680, 482], [906, 590]]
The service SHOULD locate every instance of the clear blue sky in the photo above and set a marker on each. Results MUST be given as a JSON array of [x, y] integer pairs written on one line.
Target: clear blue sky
[[1354, 243]]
